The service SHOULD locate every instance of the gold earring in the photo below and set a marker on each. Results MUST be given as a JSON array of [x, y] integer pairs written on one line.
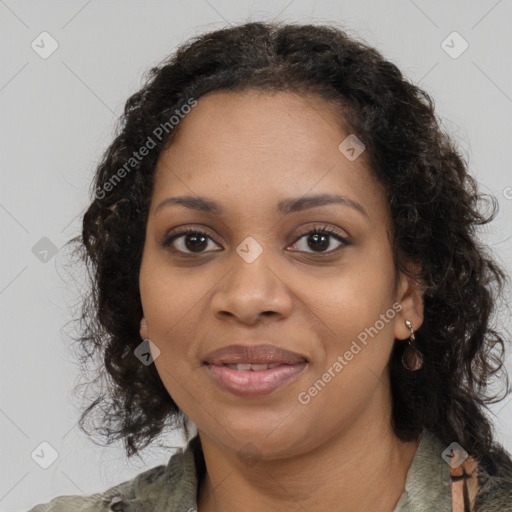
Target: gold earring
[[412, 358]]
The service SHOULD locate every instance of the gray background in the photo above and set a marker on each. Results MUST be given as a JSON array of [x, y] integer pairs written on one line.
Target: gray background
[[57, 117]]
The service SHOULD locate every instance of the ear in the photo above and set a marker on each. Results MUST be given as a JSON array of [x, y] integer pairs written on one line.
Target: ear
[[410, 297], [143, 329]]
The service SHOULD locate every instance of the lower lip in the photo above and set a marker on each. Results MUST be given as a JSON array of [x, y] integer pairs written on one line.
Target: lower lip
[[254, 383]]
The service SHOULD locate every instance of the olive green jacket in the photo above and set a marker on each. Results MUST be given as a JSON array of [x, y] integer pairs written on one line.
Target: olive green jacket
[[174, 487]]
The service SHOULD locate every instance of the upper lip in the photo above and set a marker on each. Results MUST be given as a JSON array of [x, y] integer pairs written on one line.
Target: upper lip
[[256, 354]]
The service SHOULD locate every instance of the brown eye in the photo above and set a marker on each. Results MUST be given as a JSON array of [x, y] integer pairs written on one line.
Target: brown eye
[[188, 241], [319, 240]]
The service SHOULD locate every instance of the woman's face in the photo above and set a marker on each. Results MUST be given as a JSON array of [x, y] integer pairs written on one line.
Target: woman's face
[[255, 277]]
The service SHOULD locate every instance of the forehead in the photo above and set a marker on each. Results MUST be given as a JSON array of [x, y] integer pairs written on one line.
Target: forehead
[[268, 144], [260, 120]]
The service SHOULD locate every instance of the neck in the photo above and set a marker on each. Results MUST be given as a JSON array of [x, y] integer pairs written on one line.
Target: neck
[[353, 470]]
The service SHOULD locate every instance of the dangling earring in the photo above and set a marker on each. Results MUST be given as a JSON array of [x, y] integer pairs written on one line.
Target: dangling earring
[[412, 358]]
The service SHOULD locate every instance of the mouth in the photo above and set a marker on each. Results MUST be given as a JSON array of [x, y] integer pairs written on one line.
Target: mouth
[[248, 380], [253, 367], [251, 370], [253, 355]]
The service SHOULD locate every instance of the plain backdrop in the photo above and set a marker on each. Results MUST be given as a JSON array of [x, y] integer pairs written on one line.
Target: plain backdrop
[[58, 114]]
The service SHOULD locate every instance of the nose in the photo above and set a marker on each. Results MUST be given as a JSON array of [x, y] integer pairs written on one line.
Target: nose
[[251, 291]]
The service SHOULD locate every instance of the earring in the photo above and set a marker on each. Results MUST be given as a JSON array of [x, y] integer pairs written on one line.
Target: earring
[[412, 358]]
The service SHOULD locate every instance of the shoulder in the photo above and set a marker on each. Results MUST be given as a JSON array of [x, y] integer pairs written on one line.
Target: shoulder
[[130, 496], [164, 486], [97, 502]]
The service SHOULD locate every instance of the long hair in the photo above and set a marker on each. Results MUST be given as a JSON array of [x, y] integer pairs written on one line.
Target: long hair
[[435, 206]]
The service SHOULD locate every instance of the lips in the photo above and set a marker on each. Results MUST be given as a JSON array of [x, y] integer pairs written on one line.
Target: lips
[[253, 355], [250, 371], [251, 384]]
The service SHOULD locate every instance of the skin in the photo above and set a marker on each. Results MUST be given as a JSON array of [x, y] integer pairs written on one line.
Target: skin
[[248, 151]]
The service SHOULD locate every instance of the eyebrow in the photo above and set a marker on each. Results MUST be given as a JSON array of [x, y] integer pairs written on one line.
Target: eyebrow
[[284, 207]]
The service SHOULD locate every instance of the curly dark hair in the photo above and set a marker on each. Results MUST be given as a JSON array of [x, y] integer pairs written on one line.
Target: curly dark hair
[[435, 209]]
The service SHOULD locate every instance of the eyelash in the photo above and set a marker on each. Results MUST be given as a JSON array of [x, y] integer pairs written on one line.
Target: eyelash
[[326, 230]]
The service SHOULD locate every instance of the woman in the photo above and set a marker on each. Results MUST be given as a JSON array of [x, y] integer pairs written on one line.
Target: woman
[[283, 250]]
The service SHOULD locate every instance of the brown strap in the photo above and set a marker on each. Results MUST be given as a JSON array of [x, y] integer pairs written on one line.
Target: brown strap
[[464, 485]]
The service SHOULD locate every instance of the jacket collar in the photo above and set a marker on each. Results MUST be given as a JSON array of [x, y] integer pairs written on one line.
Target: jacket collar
[[175, 487]]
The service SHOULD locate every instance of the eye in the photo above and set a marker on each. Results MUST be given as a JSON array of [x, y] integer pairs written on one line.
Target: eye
[[188, 241], [320, 239]]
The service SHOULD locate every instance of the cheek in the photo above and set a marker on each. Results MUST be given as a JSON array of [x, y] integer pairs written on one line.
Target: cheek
[[169, 298], [355, 305], [353, 296], [356, 348]]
